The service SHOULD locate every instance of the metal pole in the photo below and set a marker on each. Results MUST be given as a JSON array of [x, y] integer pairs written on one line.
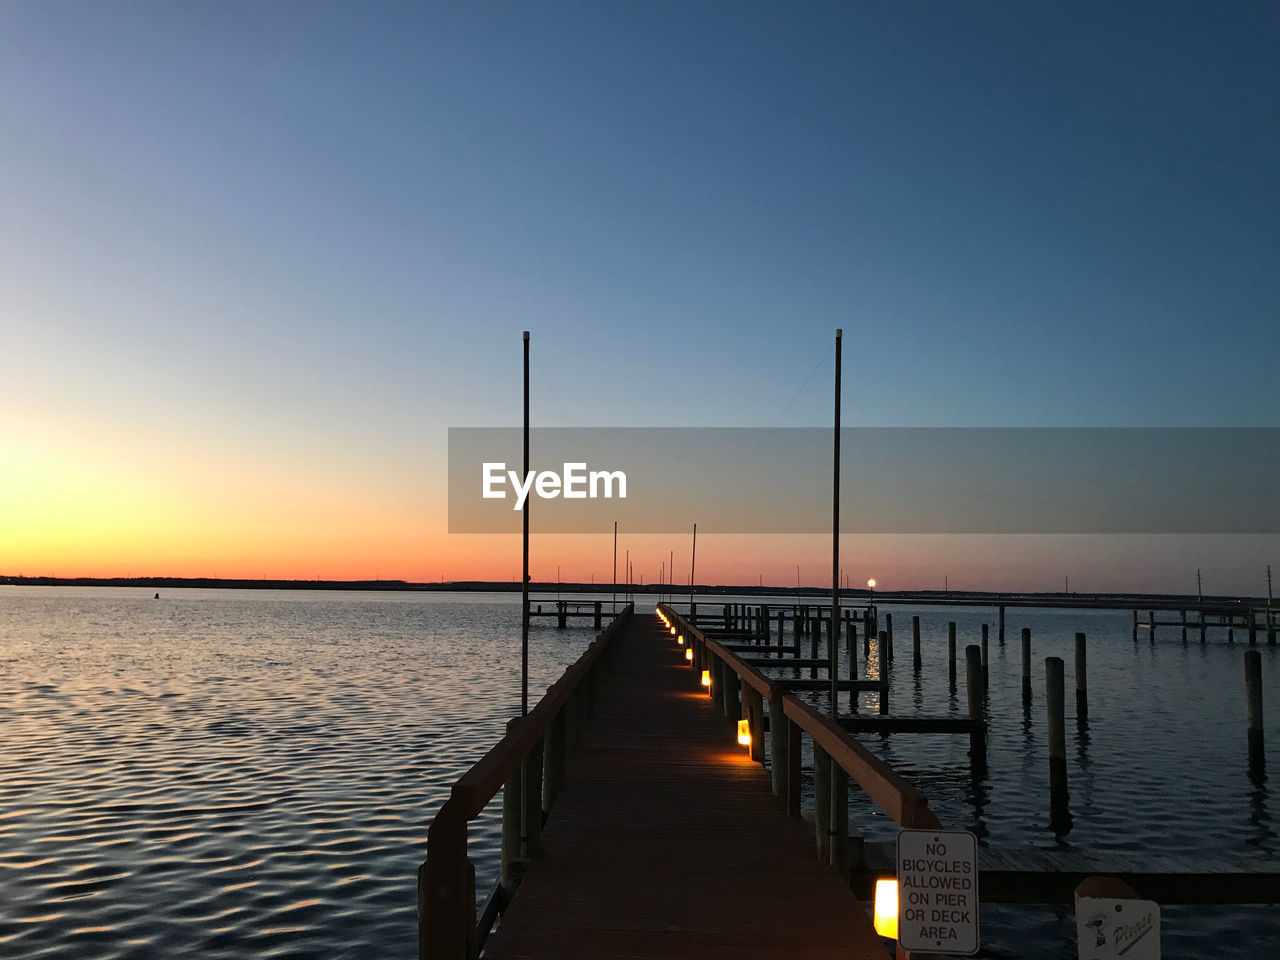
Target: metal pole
[[524, 582], [693, 561], [833, 651], [615, 568]]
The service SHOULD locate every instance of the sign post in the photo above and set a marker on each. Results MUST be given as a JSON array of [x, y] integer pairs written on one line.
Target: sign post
[[938, 891]]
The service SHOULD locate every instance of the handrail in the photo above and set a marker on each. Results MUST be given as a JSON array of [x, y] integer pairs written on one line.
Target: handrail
[[447, 923], [897, 797]]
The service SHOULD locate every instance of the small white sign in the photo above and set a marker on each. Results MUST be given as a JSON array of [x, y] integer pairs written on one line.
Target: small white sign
[[1108, 929], [938, 891]]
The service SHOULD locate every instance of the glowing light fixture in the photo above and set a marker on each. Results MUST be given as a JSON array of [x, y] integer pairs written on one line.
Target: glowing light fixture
[[680, 639], [744, 732], [886, 916], [871, 583], [688, 653], [706, 679], [673, 631]]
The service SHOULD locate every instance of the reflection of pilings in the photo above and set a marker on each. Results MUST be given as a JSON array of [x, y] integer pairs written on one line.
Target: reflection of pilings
[[1082, 682], [975, 689], [986, 660], [1253, 710], [951, 655], [1059, 804], [915, 643], [1026, 663], [850, 652]]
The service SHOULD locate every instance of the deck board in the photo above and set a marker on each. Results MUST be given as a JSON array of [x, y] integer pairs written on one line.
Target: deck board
[[666, 840]]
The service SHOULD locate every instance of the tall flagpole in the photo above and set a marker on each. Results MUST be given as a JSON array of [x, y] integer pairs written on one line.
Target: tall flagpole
[[524, 583], [833, 635]]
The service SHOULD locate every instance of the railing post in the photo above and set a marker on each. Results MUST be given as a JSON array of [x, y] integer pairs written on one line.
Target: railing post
[[840, 820], [822, 802], [778, 746], [447, 891], [731, 704], [531, 770], [793, 767], [754, 710], [554, 756], [512, 824]]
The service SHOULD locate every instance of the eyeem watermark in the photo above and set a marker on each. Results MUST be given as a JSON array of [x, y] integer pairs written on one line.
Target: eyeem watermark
[[575, 483]]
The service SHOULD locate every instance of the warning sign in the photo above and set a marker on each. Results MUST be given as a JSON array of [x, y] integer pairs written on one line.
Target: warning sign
[[1107, 928], [938, 891]]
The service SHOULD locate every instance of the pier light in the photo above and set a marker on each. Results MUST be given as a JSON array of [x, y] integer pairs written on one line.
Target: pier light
[[744, 732], [706, 679], [673, 631], [688, 654], [871, 583], [680, 639], [886, 916]]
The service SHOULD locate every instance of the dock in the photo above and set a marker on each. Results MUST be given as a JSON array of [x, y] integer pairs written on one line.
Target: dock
[[651, 801], [636, 823]]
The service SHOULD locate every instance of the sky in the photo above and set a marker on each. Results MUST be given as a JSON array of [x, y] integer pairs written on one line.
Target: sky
[[256, 259]]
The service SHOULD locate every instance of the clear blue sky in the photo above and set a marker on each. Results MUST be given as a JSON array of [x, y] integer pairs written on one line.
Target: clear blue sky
[[308, 235]]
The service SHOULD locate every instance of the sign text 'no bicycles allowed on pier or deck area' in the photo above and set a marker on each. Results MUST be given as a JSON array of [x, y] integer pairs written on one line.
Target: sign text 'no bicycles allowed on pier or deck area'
[[938, 891]]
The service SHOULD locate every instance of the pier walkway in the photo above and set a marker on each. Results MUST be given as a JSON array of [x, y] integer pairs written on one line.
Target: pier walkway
[[666, 839]]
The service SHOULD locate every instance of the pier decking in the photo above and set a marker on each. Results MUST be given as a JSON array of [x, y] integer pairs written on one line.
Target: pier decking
[[665, 835]]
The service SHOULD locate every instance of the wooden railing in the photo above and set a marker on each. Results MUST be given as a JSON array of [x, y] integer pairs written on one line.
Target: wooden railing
[[838, 757], [528, 765]]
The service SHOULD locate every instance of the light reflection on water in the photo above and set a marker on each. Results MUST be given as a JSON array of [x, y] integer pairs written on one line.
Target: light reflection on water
[[245, 773]]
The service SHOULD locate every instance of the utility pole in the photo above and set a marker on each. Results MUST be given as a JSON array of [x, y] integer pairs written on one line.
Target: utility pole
[[524, 581]]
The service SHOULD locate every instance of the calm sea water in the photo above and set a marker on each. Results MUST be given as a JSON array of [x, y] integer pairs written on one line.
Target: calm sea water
[[234, 774]]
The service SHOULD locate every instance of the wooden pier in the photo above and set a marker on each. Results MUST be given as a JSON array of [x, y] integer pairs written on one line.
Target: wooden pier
[[635, 824], [660, 833]]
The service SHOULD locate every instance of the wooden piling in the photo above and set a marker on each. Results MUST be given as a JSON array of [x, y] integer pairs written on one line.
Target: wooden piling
[[815, 631], [1082, 681], [1000, 632], [951, 654], [975, 690], [886, 645], [1253, 628], [1184, 625], [1202, 626], [888, 629], [915, 643], [1135, 626], [1026, 665], [795, 632], [793, 759], [599, 612], [1253, 709], [882, 639], [1059, 802], [555, 758], [1151, 624]]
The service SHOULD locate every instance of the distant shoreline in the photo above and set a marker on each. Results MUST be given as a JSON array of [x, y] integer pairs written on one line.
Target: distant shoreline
[[606, 590]]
